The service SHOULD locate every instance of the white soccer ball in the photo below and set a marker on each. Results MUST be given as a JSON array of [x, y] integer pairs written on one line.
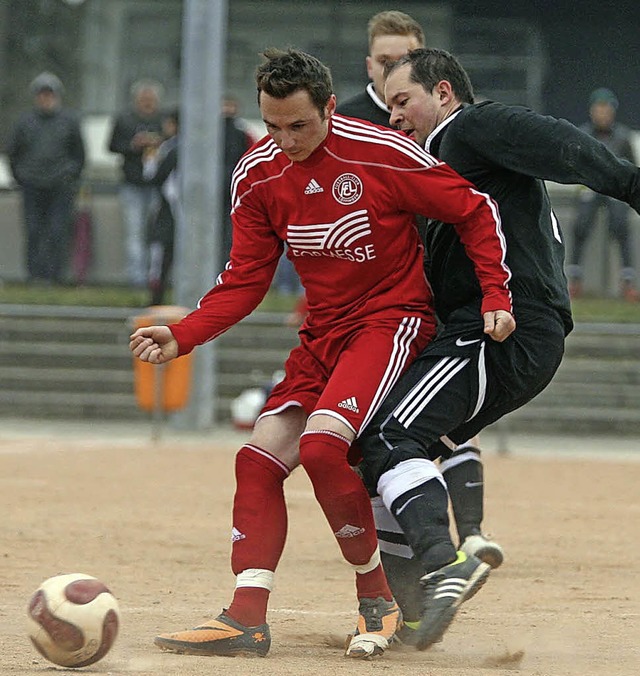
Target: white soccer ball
[[73, 619], [246, 407]]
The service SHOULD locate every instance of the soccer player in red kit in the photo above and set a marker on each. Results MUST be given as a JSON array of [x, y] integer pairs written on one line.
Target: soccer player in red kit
[[342, 194]]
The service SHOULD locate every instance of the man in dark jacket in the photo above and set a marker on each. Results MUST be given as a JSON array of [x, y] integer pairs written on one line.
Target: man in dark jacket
[[46, 155], [160, 168], [463, 382], [602, 125], [136, 131]]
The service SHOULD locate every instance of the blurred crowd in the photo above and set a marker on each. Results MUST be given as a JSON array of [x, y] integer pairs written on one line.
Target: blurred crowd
[[46, 154]]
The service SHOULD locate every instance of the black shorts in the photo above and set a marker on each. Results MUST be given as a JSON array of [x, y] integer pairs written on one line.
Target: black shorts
[[462, 382]]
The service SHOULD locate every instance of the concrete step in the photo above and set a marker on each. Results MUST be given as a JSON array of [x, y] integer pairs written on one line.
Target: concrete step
[[598, 395], [85, 406], [30, 354], [38, 329], [74, 363], [586, 370], [573, 420], [603, 341], [64, 380], [70, 405], [18, 378]]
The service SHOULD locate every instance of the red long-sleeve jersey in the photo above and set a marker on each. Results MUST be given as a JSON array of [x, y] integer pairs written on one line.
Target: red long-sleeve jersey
[[347, 215]]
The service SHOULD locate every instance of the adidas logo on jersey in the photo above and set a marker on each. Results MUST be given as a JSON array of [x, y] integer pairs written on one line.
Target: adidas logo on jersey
[[313, 187], [350, 404], [349, 531]]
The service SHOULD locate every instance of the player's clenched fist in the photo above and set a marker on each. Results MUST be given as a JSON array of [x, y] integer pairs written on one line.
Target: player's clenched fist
[[154, 344], [499, 324]]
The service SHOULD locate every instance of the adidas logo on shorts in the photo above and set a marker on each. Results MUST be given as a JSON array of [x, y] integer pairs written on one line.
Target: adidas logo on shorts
[[350, 404]]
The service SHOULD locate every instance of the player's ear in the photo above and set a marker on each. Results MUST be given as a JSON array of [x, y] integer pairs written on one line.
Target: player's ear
[[330, 108], [444, 91], [369, 62]]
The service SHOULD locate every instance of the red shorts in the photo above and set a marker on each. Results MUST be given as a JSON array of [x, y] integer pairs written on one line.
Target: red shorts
[[349, 371]]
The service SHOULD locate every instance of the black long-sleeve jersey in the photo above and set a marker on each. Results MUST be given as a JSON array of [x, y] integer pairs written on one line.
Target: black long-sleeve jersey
[[508, 152], [366, 105]]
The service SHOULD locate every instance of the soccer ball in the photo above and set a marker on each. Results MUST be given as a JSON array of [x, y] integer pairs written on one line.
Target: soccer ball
[[73, 619]]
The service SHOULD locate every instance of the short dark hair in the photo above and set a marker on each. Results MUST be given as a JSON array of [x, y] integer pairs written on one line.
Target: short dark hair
[[429, 66], [287, 71]]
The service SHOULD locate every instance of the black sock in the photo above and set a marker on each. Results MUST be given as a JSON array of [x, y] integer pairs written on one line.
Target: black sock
[[404, 576], [422, 515], [466, 490]]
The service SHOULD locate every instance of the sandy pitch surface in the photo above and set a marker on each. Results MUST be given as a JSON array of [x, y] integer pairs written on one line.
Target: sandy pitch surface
[[152, 520]]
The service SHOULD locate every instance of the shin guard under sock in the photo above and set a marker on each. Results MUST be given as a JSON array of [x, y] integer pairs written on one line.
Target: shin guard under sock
[[259, 530], [422, 514], [464, 475], [346, 504]]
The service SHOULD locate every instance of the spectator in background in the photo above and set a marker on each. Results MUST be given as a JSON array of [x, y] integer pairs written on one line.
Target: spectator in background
[[391, 35], [603, 106], [46, 155], [160, 168], [135, 131], [286, 280], [237, 140]]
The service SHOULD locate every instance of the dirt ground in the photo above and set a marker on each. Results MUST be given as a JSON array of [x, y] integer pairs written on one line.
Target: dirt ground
[[152, 521]]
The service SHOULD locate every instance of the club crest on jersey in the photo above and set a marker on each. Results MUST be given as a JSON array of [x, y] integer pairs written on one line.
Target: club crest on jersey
[[347, 189]]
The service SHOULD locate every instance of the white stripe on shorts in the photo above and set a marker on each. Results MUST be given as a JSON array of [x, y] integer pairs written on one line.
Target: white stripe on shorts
[[405, 335], [427, 388]]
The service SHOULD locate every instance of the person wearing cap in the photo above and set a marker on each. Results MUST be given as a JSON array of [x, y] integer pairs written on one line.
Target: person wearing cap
[[46, 155], [602, 125]]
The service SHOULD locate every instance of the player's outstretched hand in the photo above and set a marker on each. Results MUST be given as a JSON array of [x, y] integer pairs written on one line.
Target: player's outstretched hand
[[499, 324], [154, 344]]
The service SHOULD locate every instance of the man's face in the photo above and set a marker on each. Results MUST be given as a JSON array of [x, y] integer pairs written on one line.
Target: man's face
[[47, 100], [602, 114], [146, 102], [386, 48], [295, 124], [413, 110]]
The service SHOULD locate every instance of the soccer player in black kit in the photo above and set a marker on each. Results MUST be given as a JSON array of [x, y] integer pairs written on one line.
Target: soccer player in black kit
[[392, 34], [463, 381]]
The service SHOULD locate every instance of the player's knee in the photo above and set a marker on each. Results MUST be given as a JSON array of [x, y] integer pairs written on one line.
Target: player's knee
[[323, 452], [405, 476], [467, 448], [253, 464]]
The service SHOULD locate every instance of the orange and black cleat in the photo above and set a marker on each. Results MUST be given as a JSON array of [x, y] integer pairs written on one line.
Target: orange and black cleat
[[377, 624], [221, 636]]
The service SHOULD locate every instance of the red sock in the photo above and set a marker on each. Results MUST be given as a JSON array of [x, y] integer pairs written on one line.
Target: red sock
[[346, 504], [259, 527]]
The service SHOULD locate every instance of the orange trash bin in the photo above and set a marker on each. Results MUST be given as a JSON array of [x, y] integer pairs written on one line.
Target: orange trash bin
[[162, 387]]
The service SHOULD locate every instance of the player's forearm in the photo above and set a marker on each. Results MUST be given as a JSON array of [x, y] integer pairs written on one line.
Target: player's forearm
[[481, 235]]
